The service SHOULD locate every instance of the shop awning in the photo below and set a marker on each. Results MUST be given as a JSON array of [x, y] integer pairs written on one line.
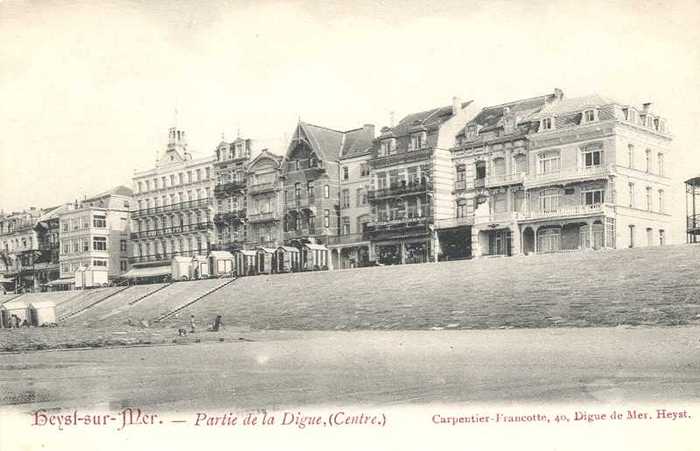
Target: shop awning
[[64, 281], [139, 273], [288, 249], [318, 247], [4, 280], [265, 249]]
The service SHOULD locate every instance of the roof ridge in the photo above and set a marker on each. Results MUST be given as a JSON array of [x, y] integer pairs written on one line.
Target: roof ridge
[[321, 126], [516, 101]]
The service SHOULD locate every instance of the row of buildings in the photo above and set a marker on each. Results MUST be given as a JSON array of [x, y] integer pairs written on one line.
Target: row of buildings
[[543, 174]]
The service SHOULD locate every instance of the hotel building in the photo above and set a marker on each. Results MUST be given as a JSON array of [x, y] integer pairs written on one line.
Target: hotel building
[[411, 185], [265, 201], [93, 234], [174, 208], [230, 168]]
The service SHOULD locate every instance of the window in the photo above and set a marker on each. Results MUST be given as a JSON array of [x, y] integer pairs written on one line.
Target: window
[[660, 164], [148, 185], [326, 218], [589, 116], [99, 243], [85, 222], [650, 236], [596, 197], [346, 226], [648, 160], [631, 227], [630, 156], [461, 173], [64, 226], [548, 163], [189, 176], [326, 191], [387, 147], [662, 205], [99, 221], [648, 198], [122, 245], [207, 173], [140, 187], [181, 178], [346, 173], [546, 124], [76, 246], [199, 175], [549, 200], [631, 195], [364, 169], [592, 158], [461, 208], [85, 245], [99, 262], [163, 183], [123, 265], [662, 237], [417, 141], [345, 199]]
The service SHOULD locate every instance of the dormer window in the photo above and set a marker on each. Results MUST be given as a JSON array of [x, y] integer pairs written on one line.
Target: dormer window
[[417, 141], [589, 116], [471, 131], [387, 147], [547, 124]]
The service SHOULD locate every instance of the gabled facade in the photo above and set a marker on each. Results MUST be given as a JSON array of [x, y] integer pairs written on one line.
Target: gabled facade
[[411, 185], [265, 188], [230, 169], [312, 182], [19, 247]]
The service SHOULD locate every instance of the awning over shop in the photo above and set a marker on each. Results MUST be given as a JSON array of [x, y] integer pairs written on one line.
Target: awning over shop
[[4, 280], [57, 282], [267, 250], [139, 273]]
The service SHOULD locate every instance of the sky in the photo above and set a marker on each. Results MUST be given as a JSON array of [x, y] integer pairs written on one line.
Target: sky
[[89, 89]]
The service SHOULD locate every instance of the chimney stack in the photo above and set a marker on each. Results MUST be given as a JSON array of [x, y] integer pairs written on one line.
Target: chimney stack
[[645, 106], [558, 94], [456, 105], [369, 130]]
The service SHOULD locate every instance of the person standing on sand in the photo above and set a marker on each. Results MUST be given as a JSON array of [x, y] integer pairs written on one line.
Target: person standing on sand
[[218, 323], [193, 325]]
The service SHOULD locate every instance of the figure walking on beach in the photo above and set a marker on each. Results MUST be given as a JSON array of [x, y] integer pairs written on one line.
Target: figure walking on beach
[[193, 325], [218, 323]]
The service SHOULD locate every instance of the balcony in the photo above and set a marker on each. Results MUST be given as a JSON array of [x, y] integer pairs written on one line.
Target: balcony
[[188, 204], [235, 216], [350, 238], [460, 185], [564, 212], [263, 217], [165, 258], [566, 176], [495, 218], [401, 158], [259, 188], [305, 165], [453, 222], [229, 188], [300, 233], [399, 190], [504, 180], [164, 231], [302, 201]]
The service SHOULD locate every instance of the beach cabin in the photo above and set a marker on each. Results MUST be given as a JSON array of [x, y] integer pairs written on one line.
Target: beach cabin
[[288, 259], [221, 263], [245, 262], [13, 313], [265, 260], [42, 313], [91, 277], [200, 267], [314, 257], [180, 267]]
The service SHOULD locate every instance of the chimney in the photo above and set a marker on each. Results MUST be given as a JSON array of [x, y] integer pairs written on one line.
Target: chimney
[[645, 107], [369, 130], [456, 105], [558, 94]]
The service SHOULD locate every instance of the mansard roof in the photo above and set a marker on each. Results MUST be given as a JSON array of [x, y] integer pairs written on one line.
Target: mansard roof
[[492, 116], [572, 105], [427, 120]]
